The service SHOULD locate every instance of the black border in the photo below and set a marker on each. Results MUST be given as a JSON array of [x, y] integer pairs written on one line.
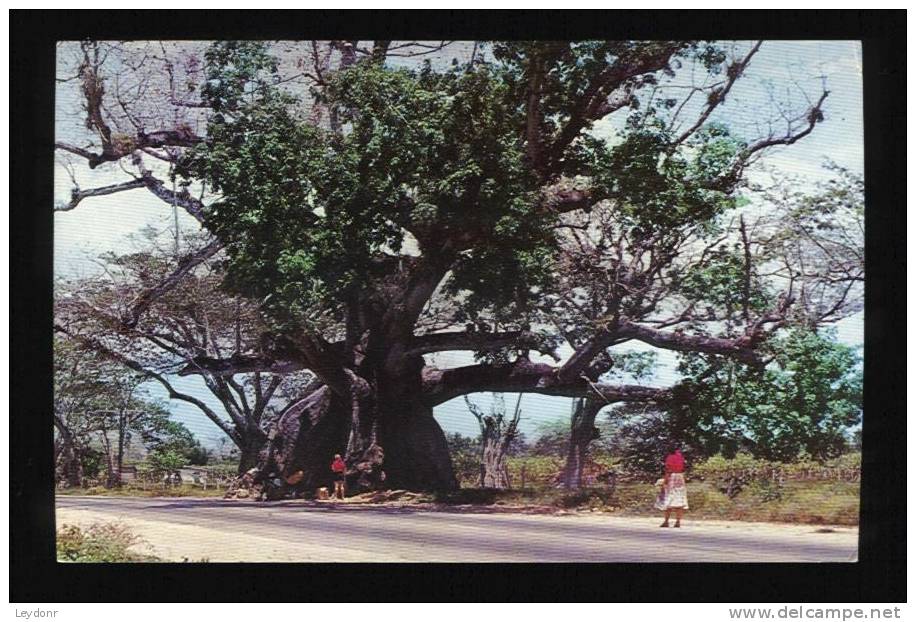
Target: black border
[[879, 576]]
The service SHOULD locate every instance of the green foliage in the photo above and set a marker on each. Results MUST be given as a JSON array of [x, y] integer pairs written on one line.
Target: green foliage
[[636, 365], [465, 453], [306, 213], [658, 191], [236, 71], [97, 400], [197, 455], [803, 403], [552, 439], [719, 281], [641, 436], [100, 542], [166, 461], [165, 436], [92, 461]]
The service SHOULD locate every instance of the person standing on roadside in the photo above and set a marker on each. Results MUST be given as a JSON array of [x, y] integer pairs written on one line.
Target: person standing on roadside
[[339, 468], [675, 488]]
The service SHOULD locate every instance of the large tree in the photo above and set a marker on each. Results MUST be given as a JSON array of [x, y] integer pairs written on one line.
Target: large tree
[[386, 213]]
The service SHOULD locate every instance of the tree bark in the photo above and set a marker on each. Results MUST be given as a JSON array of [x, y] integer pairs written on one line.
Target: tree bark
[[494, 472], [71, 465], [496, 434], [582, 433], [387, 440], [120, 455], [249, 455]]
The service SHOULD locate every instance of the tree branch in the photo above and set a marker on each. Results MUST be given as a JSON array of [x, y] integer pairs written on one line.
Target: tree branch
[[179, 137], [717, 95], [441, 385], [475, 340], [181, 199], [185, 265], [741, 348], [77, 195], [98, 346], [594, 104], [561, 198]]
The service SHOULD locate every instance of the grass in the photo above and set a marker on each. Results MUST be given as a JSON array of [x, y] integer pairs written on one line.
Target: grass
[[810, 502], [99, 542], [128, 490]]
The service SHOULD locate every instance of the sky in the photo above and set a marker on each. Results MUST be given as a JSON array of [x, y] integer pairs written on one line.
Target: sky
[[781, 72]]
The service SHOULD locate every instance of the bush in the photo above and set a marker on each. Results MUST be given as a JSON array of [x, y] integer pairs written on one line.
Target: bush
[[845, 468], [539, 470], [100, 542]]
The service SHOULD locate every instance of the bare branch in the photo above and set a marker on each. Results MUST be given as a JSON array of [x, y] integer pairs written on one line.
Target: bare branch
[[77, 195], [741, 348], [97, 346], [441, 385], [717, 96], [476, 340], [185, 265]]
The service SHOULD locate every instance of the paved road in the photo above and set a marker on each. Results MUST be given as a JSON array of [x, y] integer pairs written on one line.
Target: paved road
[[222, 530]]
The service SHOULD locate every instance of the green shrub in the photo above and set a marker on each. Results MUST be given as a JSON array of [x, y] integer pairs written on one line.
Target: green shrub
[[767, 490], [100, 542]]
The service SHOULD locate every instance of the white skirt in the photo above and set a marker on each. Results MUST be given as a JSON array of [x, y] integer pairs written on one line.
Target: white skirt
[[674, 495]]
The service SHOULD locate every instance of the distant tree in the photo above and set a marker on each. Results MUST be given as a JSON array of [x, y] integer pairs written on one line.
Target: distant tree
[[802, 404], [497, 431], [165, 435], [643, 434], [102, 407], [519, 445], [166, 463], [552, 439], [198, 455], [119, 315], [855, 441], [77, 386], [132, 413]]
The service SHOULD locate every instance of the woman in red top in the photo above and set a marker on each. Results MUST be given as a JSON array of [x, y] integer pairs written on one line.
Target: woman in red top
[[339, 468], [675, 489]]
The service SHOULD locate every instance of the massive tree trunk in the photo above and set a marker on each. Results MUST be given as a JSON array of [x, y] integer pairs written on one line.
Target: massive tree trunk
[[385, 443], [582, 432]]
